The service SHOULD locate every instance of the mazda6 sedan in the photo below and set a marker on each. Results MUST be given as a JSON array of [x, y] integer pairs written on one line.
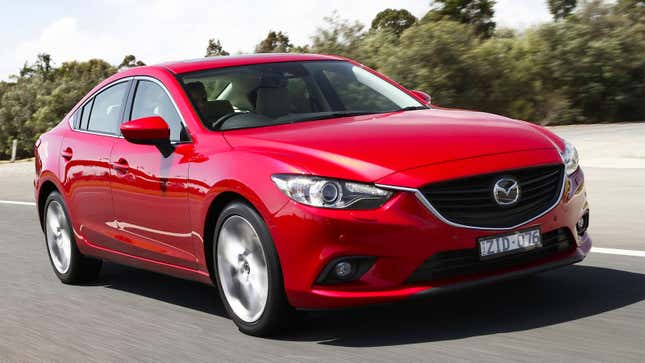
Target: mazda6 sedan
[[299, 182]]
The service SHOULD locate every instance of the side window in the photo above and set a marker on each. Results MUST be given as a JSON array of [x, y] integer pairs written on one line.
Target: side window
[[152, 100], [75, 119], [105, 115], [85, 114]]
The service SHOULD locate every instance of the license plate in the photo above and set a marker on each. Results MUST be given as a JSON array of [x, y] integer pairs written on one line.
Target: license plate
[[507, 244]]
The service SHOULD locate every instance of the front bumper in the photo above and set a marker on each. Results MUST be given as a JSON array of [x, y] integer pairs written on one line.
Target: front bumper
[[401, 236]]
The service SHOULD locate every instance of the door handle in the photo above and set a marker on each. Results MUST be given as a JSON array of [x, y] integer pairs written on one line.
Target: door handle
[[121, 166], [67, 153]]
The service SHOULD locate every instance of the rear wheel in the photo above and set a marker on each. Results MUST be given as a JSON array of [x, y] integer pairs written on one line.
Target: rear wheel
[[248, 271], [69, 264]]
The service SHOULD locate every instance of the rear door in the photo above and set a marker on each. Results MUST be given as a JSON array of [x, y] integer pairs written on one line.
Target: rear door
[[149, 183], [85, 161]]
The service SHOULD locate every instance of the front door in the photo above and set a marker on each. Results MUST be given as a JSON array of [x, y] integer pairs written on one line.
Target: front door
[[149, 184]]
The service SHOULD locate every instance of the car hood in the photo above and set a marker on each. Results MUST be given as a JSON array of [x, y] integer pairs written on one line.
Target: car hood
[[367, 148]]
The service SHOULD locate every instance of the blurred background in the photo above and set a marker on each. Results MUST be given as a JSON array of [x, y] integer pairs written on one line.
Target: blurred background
[[575, 66], [551, 62]]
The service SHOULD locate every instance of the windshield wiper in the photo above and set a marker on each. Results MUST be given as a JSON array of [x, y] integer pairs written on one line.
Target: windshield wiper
[[413, 108], [334, 114]]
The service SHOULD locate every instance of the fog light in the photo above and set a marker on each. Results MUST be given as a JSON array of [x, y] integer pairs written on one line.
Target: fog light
[[343, 269], [582, 224]]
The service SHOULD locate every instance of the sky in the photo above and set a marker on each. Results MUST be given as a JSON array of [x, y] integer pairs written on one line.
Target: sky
[[162, 30]]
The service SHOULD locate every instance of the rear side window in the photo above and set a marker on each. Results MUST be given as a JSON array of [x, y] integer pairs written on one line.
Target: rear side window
[[105, 115], [75, 119], [152, 100], [85, 114]]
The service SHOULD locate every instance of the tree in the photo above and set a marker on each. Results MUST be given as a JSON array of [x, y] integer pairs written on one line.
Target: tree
[[478, 13], [394, 20], [40, 96], [595, 62], [433, 57], [339, 37], [633, 9], [215, 48], [560, 9], [275, 42], [627, 5], [43, 66], [130, 61], [376, 47]]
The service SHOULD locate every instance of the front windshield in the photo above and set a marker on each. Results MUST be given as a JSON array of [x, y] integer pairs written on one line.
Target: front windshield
[[276, 93]]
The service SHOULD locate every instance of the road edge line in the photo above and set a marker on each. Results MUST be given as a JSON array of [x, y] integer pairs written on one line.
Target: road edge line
[[17, 203], [616, 251]]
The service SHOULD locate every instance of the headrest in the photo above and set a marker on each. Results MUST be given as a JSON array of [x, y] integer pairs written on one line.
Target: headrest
[[196, 89], [272, 80], [272, 102]]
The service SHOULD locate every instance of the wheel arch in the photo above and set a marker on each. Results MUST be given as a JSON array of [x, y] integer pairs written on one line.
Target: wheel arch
[[46, 188], [216, 207]]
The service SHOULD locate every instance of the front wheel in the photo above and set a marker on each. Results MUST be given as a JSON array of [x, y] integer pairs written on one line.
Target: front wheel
[[248, 271]]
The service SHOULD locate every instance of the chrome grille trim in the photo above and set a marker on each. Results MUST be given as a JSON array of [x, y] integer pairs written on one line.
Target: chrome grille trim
[[426, 203]]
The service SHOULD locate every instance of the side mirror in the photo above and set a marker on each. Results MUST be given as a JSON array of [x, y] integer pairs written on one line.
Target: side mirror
[[422, 96], [147, 130]]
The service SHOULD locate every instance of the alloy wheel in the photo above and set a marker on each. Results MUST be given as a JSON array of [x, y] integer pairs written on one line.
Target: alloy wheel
[[59, 242], [242, 268]]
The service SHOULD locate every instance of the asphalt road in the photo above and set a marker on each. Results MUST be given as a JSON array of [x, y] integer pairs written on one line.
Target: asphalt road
[[593, 311]]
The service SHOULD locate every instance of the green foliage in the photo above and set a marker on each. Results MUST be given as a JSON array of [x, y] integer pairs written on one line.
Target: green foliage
[[394, 20], [585, 68], [560, 9], [340, 36], [634, 9], [375, 46], [275, 42], [433, 56], [130, 61], [40, 96], [215, 48], [595, 61], [478, 13]]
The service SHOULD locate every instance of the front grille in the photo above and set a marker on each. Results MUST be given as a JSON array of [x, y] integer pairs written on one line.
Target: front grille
[[458, 263], [469, 201]]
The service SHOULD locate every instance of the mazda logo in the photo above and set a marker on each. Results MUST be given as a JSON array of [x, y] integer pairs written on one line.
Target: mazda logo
[[506, 192]]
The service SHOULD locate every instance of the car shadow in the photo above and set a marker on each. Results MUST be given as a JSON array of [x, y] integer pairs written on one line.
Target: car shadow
[[185, 293], [550, 298]]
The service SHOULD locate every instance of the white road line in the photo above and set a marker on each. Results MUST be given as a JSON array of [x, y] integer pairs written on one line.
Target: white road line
[[614, 251], [16, 203]]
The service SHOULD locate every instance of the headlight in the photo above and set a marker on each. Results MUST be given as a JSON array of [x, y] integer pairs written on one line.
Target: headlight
[[570, 157], [330, 193]]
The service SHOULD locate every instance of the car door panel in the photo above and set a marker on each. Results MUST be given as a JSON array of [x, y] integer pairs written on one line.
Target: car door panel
[[149, 188], [85, 164], [151, 206]]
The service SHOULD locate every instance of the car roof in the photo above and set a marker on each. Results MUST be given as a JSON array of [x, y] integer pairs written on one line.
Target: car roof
[[200, 64]]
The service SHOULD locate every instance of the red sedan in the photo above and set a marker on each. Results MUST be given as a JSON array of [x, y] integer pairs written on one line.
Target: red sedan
[[302, 182]]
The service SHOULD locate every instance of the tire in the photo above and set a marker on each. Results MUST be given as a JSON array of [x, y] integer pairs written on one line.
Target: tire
[[247, 271], [68, 263]]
